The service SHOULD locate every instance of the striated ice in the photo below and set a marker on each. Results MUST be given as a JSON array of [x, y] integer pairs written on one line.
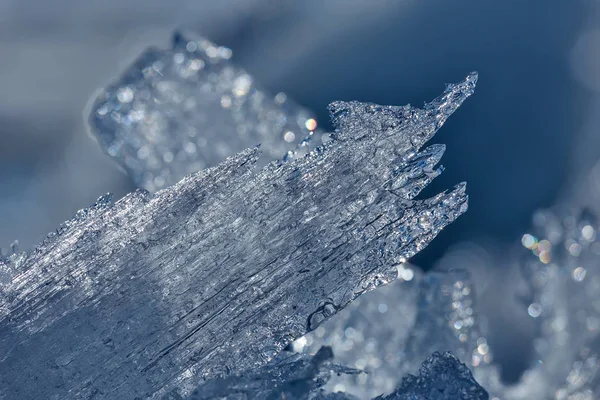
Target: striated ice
[[179, 110], [152, 295]]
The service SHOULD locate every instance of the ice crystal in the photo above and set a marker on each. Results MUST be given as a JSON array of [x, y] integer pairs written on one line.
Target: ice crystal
[[179, 110], [289, 376], [390, 331], [441, 377], [299, 377], [370, 334], [218, 273]]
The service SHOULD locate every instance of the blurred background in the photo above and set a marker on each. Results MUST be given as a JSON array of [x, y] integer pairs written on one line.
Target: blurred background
[[527, 139]]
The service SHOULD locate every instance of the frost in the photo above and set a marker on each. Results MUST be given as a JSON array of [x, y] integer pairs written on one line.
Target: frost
[[215, 275], [176, 111]]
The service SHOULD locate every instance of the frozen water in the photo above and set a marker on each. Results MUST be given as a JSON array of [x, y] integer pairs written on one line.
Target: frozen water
[[288, 376], [298, 377], [564, 283], [388, 332], [564, 277], [176, 111], [370, 334], [215, 275], [441, 377]]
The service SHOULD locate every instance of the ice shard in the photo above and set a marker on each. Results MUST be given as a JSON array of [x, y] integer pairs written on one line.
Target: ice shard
[[151, 295], [176, 111]]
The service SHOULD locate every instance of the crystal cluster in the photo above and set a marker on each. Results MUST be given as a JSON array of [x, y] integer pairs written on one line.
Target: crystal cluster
[[176, 111], [181, 110], [215, 275]]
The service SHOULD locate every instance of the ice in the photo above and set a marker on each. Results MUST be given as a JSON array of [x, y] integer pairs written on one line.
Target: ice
[[442, 377], [446, 319], [370, 335], [288, 376], [215, 275], [388, 332], [179, 110], [564, 277], [296, 377]]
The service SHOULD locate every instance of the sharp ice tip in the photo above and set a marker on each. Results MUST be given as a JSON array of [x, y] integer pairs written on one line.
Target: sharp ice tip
[[462, 186], [473, 77]]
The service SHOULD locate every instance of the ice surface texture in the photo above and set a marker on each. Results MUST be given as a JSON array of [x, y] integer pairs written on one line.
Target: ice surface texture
[[147, 297], [176, 111]]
